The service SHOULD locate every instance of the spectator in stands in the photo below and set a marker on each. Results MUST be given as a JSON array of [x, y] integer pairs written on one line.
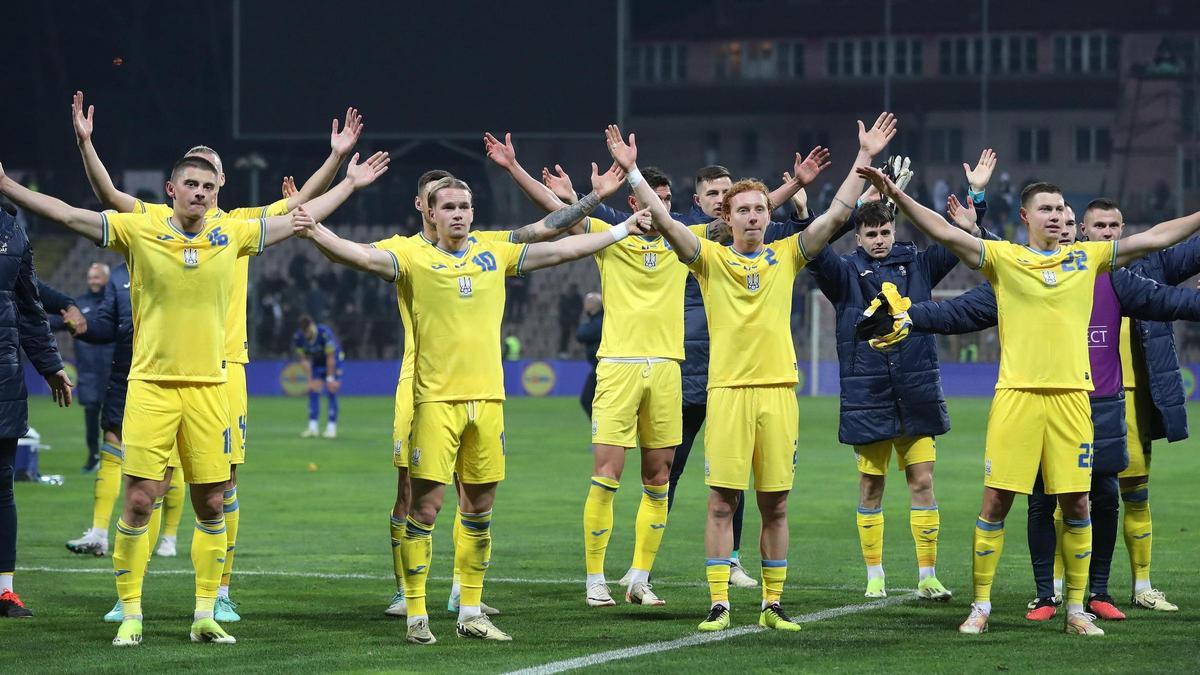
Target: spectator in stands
[[518, 297], [512, 348], [570, 306], [589, 333], [315, 302]]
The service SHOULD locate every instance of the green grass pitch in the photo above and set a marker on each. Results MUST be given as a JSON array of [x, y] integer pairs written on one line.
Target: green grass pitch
[[316, 569]]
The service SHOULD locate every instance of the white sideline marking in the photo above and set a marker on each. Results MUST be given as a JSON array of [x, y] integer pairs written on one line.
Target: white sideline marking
[[389, 577], [700, 639]]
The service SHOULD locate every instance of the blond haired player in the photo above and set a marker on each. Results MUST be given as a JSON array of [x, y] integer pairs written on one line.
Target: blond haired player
[[747, 291]]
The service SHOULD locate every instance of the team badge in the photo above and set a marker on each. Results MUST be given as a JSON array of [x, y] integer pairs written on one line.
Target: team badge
[[398, 449], [987, 467], [464, 287], [650, 260], [707, 468], [595, 427], [191, 257], [1049, 277], [753, 281], [415, 460]]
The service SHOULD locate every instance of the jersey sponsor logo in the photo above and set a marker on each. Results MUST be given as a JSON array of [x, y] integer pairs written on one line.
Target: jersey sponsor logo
[[753, 281], [437, 266], [650, 260], [865, 273], [191, 257], [1049, 277], [464, 287]]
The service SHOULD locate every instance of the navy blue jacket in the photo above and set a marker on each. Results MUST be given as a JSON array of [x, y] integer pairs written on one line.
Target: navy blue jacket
[[1141, 299], [23, 326], [111, 322], [92, 360], [589, 333], [54, 302]]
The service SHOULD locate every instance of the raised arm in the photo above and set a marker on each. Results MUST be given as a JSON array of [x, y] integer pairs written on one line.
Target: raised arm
[[358, 176], [340, 144], [683, 240], [560, 184], [964, 246], [87, 223], [504, 155], [570, 218], [870, 143], [97, 175], [1156, 238], [551, 253], [804, 171], [343, 251]]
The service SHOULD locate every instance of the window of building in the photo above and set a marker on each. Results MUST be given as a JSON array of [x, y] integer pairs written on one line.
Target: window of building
[[1003, 54], [1033, 145], [946, 145], [1086, 53], [1092, 144], [662, 62], [871, 58]]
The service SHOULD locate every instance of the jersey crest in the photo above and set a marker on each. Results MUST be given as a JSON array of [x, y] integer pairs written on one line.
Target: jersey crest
[[753, 281], [191, 257], [464, 287], [650, 260]]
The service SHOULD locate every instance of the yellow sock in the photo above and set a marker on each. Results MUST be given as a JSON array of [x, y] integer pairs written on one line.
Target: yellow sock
[[155, 526], [649, 526], [417, 545], [472, 554], [1138, 531], [108, 485], [232, 518], [131, 550], [774, 573], [988, 545], [1059, 565], [455, 533], [717, 571], [173, 505], [925, 523], [598, 522], [870, 535], [208, 557], [1077, 556], [397, 529]]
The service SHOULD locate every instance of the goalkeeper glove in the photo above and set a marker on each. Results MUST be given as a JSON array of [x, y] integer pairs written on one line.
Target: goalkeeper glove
[[898, 169], [885, 320]]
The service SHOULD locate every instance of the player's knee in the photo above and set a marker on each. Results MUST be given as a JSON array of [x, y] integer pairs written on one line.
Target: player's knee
[[870, 490], [722, 504], [773, 508], [658, 474], [424, 513], [139, 503]]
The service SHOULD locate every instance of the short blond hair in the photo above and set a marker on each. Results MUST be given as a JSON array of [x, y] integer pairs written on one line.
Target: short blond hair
[[447, 183]]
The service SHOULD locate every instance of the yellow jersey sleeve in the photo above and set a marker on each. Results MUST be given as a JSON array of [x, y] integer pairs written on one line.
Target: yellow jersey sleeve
[[511, 256], [278, 208], [493, 235], [1100, 254], [156, 210], [249, 235], [120, 231]]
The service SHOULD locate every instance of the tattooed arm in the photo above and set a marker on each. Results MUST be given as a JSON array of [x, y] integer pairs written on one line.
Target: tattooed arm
[[567, 217]]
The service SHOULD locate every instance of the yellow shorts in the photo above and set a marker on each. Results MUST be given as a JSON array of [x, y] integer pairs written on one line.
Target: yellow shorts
[[159, 415], [638, 404], [173, 461], [402, 426], [1136, 440], [235, 390], [1028, 427], [463, 437], [873, 459], [751, 428]]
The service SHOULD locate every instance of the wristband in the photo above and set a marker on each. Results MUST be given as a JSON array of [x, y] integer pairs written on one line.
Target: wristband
[[330, 378], [619, 232], [976, 196], [634, 177]]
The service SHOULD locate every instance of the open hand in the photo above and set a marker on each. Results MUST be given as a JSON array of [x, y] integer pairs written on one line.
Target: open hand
[[963, 217], [363, 174], [624, 154], [503, 154], [289, 187], [559, 183], [82, 122], [342, 142], [607, 183], [978, 177], [879, 181], [807, 169], [872, 141]]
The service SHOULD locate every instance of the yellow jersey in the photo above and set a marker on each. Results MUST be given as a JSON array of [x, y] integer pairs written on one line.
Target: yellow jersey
[[641, 284], [456, 304], [404, 302], [180, 286], [748, 300], [1044, 305], [236, 345]]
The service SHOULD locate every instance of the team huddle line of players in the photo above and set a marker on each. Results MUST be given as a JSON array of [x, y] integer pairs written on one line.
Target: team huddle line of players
[[186, 380]]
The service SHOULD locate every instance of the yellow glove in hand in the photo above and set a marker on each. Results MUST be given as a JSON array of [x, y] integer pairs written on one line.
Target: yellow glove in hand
[[901, 326]]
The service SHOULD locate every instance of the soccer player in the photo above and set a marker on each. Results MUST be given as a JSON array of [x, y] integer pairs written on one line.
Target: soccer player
[[180, 292], [341, 142], [752, 370], [1040, 414], [318, 349], [456, 294], [891, 401]]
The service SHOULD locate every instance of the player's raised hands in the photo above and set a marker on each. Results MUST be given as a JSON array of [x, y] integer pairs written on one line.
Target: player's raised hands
[[624, 154], [874, 140], [503, 154], [289, 187], [964, 217], [342, 142], [303, 224], [882, 183], [363, 174], [607, 183], [559, 183], [978, 177], [82, 122], [806, 169], [639, 222]]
